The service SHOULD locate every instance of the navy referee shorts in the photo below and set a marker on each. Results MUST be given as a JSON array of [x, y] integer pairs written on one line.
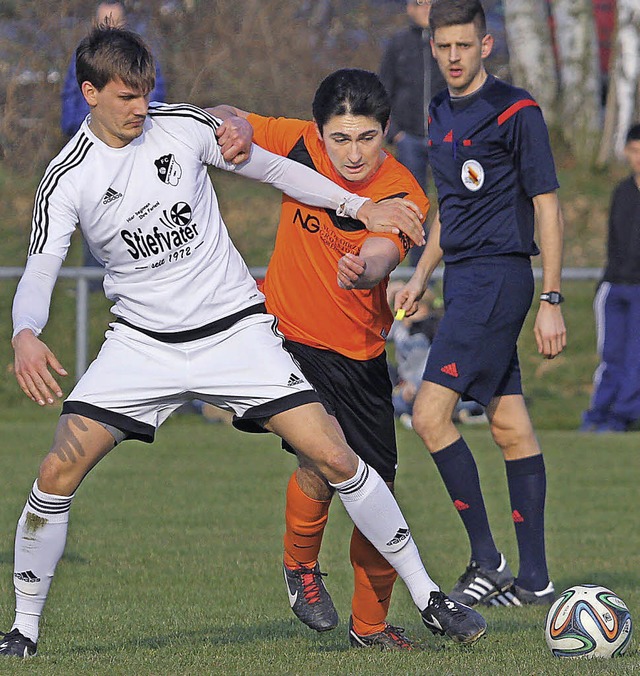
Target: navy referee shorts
[[486, 301]]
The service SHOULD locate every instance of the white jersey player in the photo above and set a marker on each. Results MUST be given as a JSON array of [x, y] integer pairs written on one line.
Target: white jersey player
[[190, 322]]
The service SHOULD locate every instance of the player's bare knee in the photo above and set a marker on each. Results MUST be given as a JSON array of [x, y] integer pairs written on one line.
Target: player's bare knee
[[338, 464], [419, 427], [54, 476], [504, 438], [427, 427], [513, 441]]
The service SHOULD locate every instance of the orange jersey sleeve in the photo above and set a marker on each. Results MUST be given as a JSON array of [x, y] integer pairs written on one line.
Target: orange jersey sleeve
[[276, 134], [301, 281]]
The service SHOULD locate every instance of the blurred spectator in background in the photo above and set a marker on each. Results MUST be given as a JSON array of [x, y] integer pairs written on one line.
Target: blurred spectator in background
[[411, 76], [615, 403], [412, 338], [75, 108]]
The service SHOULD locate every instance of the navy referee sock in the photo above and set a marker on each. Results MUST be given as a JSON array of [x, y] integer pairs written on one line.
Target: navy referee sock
[[459, 472], [527, 481]]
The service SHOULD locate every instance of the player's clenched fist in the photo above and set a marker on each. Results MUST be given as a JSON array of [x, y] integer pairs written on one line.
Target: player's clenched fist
[[234, 138]]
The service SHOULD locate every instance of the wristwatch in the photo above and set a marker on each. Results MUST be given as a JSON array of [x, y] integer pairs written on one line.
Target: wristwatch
[[553, 297]]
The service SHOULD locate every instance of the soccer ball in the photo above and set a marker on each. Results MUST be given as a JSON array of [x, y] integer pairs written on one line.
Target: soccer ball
[[588, 621]]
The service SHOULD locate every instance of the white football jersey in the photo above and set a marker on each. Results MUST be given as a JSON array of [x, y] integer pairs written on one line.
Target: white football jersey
[[150, 215]]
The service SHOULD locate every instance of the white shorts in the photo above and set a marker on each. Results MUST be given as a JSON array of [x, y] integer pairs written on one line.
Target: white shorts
[[136, 382]]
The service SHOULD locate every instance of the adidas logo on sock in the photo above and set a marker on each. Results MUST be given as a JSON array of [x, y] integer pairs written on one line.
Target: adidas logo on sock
[[111, 196], [294, 380], [450, 369], [26, 576], [402, 534], [517, 517]]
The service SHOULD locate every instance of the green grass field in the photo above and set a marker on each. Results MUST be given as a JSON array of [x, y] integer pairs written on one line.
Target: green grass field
[[174, 551]]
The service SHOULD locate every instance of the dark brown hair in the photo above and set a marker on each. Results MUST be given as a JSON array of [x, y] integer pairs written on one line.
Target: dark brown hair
[[109, 53], [456, 13]]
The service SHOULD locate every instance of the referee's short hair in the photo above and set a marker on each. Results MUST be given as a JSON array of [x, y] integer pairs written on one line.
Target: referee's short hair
[[110, 53], [351, 91], [457, 13]]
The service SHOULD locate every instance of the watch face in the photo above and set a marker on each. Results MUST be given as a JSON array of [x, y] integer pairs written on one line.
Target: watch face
[[553, 297]]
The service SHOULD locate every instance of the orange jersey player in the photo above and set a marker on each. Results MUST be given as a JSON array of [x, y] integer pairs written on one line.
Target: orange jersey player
[[300, 284], [326, 282]]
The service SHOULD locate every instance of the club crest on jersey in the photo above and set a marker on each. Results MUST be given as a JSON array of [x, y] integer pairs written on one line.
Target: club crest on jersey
[[472, 175], [169, 171]]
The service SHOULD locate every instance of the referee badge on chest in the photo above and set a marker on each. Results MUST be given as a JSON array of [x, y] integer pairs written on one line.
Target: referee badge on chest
[[472, 175]]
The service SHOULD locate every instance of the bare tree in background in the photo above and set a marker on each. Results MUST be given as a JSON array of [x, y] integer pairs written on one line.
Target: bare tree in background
[[532, 62], [623, 98], [577, 46]]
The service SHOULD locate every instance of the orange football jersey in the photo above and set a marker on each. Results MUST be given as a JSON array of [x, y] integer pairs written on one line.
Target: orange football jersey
[[301, 282]]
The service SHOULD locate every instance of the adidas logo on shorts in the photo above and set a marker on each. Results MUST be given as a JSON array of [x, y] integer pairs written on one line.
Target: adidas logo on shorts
[[294, 380], [450, 369]]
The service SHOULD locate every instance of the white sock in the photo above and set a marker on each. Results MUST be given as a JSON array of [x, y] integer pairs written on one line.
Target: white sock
[[40, 539], [374, 510]]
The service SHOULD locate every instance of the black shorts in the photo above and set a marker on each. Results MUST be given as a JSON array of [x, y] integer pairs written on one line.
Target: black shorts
[[358, 395], [474, 351]]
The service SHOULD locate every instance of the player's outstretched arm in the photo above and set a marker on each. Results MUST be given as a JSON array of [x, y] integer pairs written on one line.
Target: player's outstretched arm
[[407, 298], [394, 216], [298, 181], [33, 359], [390, 216], [549, 328], [378, 257]]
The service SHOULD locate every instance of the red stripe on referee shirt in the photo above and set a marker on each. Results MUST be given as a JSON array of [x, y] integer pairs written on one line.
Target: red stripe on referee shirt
[[512, 110]]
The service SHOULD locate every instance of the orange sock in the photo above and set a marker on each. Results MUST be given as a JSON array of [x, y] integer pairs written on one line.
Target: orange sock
[[305, 520], [373, 582]]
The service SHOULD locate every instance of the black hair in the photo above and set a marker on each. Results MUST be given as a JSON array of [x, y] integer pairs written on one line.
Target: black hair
[[633, 134], [351, 91], [108, 53], [456, 13]]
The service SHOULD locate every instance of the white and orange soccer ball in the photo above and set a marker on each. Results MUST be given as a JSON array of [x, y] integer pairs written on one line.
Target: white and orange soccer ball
[[588, 621]]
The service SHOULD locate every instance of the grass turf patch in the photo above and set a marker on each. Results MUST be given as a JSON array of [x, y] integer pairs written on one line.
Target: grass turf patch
[[173, 558]]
